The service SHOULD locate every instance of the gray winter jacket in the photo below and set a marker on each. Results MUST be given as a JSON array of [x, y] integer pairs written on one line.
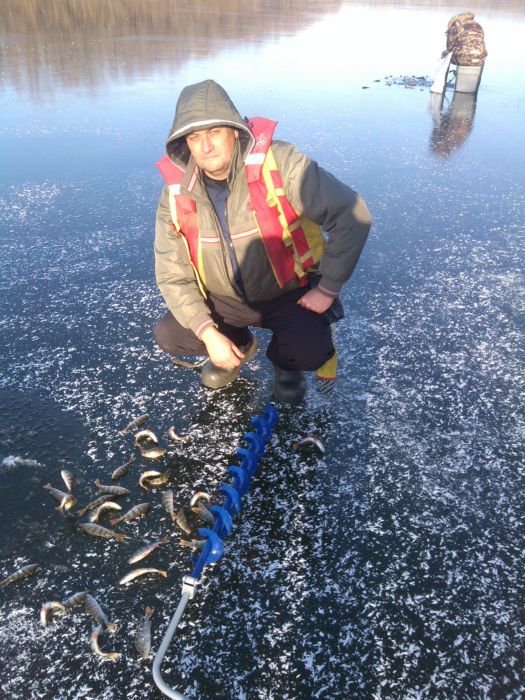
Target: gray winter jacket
[[338, 210]]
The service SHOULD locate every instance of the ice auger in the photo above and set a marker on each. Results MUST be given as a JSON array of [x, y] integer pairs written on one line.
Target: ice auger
[[213, 547]]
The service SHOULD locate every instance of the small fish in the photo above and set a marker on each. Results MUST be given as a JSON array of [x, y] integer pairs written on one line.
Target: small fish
[[49, 608], [19, 574], [113, 490], [146, 550], [147, 475], [172, 435], [95, 645], [75, 599], [94, 504], [94, 609], [136, 512], [146, 435], [181, 519], [203, 513], [67, 500], [131, 575], [68, 479], [167, 502], [195, 543], [309, 442], [200, 496], [143, 636], [97, 512], [152, 478], [135, 423], [153, 453], [123, 469], [99, 531]]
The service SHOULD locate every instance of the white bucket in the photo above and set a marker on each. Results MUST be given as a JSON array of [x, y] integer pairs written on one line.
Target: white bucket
[[468, 78]]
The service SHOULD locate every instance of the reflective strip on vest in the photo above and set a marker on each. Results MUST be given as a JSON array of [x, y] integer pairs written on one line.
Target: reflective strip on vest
[[293, 243]]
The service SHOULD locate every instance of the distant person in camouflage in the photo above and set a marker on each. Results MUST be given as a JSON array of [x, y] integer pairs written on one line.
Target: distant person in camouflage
[[466, 41]]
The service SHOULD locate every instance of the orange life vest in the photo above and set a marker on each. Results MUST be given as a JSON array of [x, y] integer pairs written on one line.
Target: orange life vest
[[292, 242]]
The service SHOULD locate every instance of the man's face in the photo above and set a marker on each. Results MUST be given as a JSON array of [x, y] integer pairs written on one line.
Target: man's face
[[213, 150]]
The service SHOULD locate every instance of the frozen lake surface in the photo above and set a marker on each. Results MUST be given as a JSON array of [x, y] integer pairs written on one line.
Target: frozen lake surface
[[392, 567]]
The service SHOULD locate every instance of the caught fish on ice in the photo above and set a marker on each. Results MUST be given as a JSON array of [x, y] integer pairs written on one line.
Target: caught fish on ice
[[99, 531], [19, 574], [174, 437], [143, 635], [152, 453], [146, 550], [94, 504], [147, 436], [204, 513], [132, 575], [309, 443], [95, 645], [167, 502], [153, 478], [136, 512], [109, 488], [67, 500], [93, 608], [123, 469], [68, 479], [200, 496], [135, 423], [49, 609], [195, 543], [183, 519], [75, 599], [106, 505]]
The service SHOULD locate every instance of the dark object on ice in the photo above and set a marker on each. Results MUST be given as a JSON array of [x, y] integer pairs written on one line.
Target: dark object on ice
[[308, 444], [409, 81], [289, 385]]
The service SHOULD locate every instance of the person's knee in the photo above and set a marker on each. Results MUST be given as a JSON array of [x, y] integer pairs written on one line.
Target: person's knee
[[308, 356], [174, 339], [162, 338]]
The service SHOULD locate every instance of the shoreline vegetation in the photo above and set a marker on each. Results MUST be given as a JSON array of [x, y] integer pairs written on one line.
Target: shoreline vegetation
[[76, 41]]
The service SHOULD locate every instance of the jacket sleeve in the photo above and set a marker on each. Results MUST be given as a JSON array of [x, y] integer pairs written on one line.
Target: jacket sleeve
[[174, 273], [338, 210]]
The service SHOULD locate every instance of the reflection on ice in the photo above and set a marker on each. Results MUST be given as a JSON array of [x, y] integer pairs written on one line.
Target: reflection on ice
[[92, 42], [453, 119]]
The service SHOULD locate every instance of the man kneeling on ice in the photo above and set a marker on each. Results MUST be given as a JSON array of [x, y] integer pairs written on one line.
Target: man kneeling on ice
[[239, 243]]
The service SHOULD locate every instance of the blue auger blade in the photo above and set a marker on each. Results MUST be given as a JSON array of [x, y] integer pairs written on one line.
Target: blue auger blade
[[223, 521], [270, 415], [232, 502], [241, 479], [255, 442], [263, 429], [249, 460], [211, 552]]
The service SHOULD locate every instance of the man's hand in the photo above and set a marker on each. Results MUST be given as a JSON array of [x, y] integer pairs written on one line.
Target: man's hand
[[222, 352], [314, 300]]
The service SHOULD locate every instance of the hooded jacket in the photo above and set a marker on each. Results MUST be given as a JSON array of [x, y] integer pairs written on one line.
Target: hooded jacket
[[337, 209]]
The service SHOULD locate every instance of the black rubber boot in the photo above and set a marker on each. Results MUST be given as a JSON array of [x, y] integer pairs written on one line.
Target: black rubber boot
[[289, 386], [215, 377]]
